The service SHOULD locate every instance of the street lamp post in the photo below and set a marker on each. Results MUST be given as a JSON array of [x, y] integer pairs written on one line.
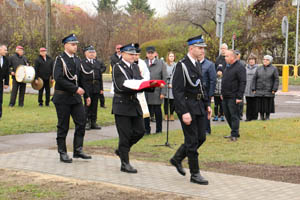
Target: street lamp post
[[297, 30]]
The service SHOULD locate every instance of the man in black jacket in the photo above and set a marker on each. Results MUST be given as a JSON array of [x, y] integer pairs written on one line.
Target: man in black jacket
[[17, 59], [67, 99], [43, 69], [116, 57], [92, 79], [220, 61], [233, 87], [4, 73], [192, 106]]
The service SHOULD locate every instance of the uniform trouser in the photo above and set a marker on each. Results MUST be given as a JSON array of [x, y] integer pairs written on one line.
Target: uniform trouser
[[218, 106], [170, 105], [251, 110], [232, 115], [194, 137], [45, 87], [158, 118], [64, 111], [91, 111], [130, 130], [102, 100], [15, 87], [1, 99]]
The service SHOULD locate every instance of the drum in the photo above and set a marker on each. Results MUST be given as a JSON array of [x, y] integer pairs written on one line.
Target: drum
[[25, 74]]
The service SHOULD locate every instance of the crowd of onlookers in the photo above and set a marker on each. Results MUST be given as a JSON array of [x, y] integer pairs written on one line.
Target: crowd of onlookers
[[261, 84]]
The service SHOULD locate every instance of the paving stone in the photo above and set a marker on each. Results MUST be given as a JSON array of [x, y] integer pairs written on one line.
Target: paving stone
[[151, 176]]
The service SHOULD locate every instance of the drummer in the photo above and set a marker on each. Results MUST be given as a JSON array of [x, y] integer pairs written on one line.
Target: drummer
[[43, 70], [15, 60]]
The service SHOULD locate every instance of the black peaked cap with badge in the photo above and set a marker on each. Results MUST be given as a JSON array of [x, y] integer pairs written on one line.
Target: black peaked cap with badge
[[197, 41], [128, 48], [70, 39]]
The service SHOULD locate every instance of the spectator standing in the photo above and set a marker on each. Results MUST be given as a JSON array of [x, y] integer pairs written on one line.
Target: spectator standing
[[220, 61], [4, 73], [169, 98], [116, 57], [157, 70], [251, 108], [238, 54], [17, 59], [265, 85], [43, 69], [209, 81], [217, 96], [233, 88]]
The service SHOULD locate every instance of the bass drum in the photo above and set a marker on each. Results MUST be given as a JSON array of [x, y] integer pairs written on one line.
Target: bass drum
[[25, 74]]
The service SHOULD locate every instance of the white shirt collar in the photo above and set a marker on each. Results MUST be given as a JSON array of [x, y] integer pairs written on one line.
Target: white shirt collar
[[127, 63], [71, 56], [201, 61], [192, 59]]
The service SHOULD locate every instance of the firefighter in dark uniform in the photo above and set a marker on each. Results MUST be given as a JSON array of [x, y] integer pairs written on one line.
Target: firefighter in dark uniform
[[67, 99], [92, 79], [191, 105], [126, 107]]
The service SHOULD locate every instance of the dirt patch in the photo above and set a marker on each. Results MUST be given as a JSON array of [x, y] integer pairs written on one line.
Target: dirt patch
[[289, 174], [30, 185]]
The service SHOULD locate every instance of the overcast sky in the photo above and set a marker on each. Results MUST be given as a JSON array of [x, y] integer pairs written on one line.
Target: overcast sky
[[159, 5]]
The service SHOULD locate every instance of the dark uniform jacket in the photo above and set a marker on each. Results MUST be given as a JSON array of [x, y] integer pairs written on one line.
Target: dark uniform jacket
[[92, 82], [234, 81], [125, 101], [185, 95], [220, 62], [15, 61], [114, 59], [209, 76], [265, 81], [4, 72], [65, 89], [43, 69]]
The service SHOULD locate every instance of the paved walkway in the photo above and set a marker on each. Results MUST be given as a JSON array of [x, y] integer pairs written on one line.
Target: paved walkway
[[151, 176], [31, 152]]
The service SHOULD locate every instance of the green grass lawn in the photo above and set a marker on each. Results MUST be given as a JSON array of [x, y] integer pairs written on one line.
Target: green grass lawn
[[34, 119], [292, 80], [274, 142]]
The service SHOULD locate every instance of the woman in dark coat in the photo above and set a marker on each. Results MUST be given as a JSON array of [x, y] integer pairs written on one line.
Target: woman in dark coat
[[265, 85]]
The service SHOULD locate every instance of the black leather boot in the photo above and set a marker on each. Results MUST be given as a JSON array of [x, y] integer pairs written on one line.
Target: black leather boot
[[195, 172], [125, 165], [267, 116], [62, 150], [94, 125], [177, 159], [197, 178], [65, 158], [78, 152]]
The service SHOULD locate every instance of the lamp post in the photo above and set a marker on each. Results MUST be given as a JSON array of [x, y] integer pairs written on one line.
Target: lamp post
[[296, 3]]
